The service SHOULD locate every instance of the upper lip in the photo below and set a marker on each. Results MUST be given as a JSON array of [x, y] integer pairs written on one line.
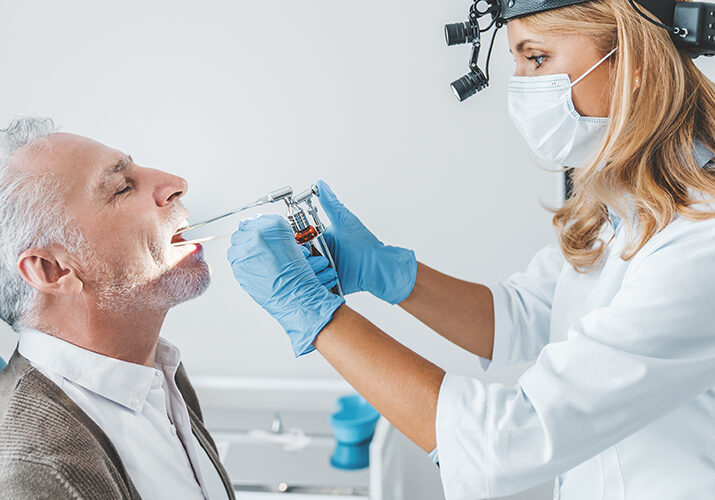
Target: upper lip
[[176, 234], [179, 228]]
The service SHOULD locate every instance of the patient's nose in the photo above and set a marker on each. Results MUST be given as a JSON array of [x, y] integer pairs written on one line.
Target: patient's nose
[[170, 188]]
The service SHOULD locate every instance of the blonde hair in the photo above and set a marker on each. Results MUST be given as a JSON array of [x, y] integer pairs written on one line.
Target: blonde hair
[[648, 172]]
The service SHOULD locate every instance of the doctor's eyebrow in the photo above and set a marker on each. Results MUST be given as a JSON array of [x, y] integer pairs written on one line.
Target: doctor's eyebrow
[[118, 167], [520, 45]]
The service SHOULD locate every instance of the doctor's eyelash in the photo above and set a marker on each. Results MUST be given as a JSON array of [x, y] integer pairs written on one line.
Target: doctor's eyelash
[[539, 60]]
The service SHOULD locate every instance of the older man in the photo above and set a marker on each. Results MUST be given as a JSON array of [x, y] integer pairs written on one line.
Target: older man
[[94, 403]]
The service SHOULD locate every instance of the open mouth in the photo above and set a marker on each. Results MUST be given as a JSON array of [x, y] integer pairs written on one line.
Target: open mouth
[[178, 240], [178, 236]]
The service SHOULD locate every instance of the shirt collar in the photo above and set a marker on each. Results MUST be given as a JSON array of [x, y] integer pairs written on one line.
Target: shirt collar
[[167, 358], [124, 383], [702, 154]]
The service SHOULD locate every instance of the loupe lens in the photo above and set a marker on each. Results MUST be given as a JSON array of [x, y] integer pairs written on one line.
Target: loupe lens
[[469, 84], [456, 33], [463, 88]]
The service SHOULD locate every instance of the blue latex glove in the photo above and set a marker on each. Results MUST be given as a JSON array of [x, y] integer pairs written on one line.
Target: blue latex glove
[[364, 263], [272, 268], [320, 265]]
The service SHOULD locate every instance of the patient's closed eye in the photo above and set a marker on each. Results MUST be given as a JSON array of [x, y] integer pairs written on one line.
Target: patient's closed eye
[[126, 189]]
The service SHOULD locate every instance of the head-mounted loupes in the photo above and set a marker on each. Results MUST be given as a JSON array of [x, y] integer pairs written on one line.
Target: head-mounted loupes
[[691, 26]]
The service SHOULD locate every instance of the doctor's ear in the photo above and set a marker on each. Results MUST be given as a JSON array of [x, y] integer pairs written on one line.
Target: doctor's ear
[[49, 271], [637, 81]]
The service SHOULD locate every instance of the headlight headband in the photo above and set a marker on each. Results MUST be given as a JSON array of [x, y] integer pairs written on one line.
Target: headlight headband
[[691, 26]]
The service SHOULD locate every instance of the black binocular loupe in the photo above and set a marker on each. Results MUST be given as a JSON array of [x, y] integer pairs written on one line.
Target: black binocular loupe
[[469, 84], [459, 33], [470, 32], [474, 81], [691, 26]]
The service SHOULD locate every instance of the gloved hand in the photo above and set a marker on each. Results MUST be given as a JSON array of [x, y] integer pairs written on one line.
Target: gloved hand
[[320, 265], [272, 268], [364, 263]]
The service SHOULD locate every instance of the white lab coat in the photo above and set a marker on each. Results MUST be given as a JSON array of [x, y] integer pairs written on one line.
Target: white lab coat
[[620, 404]]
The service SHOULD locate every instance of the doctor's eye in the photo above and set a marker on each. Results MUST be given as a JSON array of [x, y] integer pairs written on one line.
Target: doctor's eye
[[539, 60]]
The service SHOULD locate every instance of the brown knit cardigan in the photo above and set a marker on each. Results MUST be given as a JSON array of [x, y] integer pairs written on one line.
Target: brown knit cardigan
[[51, 449]]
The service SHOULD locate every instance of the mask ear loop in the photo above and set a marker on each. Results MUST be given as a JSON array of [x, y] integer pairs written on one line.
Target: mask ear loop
[[592, 68]]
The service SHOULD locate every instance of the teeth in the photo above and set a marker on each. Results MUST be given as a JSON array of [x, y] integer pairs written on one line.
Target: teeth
[[184, 224]]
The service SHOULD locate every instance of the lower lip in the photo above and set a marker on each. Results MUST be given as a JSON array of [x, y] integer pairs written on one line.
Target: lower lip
[[189, 248]]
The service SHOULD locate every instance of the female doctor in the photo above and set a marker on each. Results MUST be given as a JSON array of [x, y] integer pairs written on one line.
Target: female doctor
[[619, 314]]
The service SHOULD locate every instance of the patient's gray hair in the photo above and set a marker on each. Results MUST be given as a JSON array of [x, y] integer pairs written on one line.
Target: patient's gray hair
[[31, 215]]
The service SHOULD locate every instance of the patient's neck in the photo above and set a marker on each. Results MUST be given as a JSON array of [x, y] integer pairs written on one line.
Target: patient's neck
[[129, 335]]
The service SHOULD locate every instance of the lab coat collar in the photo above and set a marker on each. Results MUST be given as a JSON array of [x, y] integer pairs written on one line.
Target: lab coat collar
[[122, 382]]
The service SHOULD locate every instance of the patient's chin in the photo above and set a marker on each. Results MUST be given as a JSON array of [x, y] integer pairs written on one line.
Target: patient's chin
[[183, 283], [133, 292]]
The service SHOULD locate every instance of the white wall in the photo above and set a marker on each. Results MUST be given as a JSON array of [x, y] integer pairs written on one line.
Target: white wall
[[243, 97]]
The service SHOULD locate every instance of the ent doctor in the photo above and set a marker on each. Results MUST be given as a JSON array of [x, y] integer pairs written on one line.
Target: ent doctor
[[618, 314]]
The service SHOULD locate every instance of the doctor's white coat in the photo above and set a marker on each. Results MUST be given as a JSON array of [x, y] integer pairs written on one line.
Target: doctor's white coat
[[620, 403]]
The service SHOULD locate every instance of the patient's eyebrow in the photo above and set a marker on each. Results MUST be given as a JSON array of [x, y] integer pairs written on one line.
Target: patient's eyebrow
[[117, 167]]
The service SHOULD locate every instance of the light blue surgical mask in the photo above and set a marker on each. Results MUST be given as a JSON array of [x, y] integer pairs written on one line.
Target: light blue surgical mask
[[543, 111]]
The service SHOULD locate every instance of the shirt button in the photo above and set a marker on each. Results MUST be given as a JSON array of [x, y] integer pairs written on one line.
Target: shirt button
[[173, 430], [135, 402]]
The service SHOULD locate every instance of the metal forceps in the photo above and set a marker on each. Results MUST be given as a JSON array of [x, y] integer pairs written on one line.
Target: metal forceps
[[271, 197]]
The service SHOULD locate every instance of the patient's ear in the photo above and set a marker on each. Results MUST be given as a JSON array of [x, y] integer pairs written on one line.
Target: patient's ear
[[49, 271]]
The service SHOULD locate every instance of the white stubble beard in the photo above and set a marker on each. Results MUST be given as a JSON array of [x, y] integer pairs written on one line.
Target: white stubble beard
[[132, 290]]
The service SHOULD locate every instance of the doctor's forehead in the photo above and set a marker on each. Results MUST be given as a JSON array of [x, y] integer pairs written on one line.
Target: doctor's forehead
[[521, 38]]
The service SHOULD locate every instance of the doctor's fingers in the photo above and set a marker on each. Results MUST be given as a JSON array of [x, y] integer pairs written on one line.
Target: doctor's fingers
[[269, 227], [317, 262], [336, 211], [321, 268], [328, 277]]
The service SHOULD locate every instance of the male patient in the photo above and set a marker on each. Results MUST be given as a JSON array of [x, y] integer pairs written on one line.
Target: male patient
[[94, 404]]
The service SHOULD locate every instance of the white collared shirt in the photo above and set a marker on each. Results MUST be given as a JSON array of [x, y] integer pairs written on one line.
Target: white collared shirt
[[139, 408]]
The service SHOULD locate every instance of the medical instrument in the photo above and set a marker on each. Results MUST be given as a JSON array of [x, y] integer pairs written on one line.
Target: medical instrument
[[691, 26], [271, 197], [201, 240], [305, 232]]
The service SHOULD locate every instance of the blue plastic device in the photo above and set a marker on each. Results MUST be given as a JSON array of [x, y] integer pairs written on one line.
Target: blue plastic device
[[353, 426], [2, 364]]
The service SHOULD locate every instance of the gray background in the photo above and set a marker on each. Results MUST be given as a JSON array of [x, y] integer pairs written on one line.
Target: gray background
[[243, 97]]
